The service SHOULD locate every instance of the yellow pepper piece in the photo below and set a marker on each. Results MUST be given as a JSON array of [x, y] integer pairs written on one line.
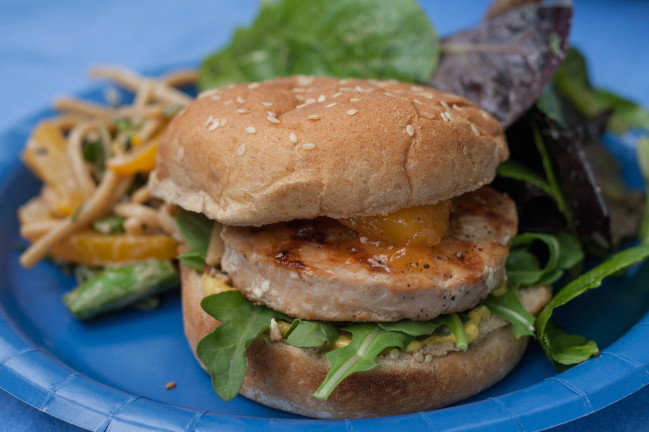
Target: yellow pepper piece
[[141, 159], [45, 155], [93, 248]]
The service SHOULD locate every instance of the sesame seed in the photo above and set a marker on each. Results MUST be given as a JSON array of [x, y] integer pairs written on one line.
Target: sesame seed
[[271, 113], [459, 254], [361, 89], [389, 94], [444, 116], [273, 119], [224, 121], [243, 110], [428, 358], [484, 114], [355, 100], [242, 149], [214, 125], [309, 101], [299, 97], [394, 353], [313, 117], [207, 93], [308, 146], [428, 115], [298, 90], [293, 137], [301, 105], [216, 97], [335, 95], [330, 105], [450, 116], [417, 101], [253, 85], [267, 104], [456, 107], [344, 89], [427, 95], [416, 89], [304, 80], [228, 102], [322, 98], [475, 130], [445, 105], [170, 385], [351, 112], [209, 120], [251, 130], [410, 130], [240, 99]]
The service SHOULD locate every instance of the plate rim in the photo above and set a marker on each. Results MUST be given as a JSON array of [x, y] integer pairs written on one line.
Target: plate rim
[[58, 392]]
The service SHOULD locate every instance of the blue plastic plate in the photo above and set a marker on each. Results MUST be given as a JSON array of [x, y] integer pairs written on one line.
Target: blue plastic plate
[[111, 372]]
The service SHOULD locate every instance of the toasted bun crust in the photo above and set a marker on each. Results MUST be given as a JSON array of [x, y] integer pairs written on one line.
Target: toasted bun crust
[[303, 147], [285, 377]]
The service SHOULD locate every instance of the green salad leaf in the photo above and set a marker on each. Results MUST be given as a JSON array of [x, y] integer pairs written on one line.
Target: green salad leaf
[[571, 80], [413, 328], [196, 229], [368, 341], [568, 349], [557, 348], [564, 252], [643, 161], [311, 334], [380, 39], [509, 307], [223, 351], [515, 171]]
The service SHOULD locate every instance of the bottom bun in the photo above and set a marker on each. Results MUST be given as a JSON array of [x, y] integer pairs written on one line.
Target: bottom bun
[[284, 377]]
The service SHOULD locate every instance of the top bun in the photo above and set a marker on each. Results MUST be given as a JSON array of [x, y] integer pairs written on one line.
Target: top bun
[[302, 147]]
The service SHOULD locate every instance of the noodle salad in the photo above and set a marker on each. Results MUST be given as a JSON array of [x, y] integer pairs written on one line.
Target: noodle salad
[[94, 210]]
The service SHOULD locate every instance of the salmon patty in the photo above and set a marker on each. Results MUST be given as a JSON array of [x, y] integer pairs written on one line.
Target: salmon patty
[[320, 270]]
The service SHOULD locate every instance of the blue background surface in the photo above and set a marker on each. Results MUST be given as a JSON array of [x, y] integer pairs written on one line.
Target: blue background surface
[[46, 48]]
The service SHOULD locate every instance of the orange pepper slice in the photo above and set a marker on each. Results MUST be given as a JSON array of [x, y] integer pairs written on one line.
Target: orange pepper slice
[[141, 159], [93, 248]]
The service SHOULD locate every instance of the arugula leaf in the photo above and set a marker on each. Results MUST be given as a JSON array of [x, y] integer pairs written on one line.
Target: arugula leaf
[[643, 161], [413, 328], [556, 350], [223, 351], [571, 79], [514, 170], [196, 229], [368, 341], [311, 334], [569, 349], [345, 38], [522, 267], [454, 322], [509, 307], [550, 174]]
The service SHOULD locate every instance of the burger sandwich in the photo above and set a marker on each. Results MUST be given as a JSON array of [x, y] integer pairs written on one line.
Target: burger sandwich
[[340, 242]]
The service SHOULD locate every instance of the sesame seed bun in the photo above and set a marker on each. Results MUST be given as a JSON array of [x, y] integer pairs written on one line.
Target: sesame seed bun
[[429, 378], [303, 147]]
